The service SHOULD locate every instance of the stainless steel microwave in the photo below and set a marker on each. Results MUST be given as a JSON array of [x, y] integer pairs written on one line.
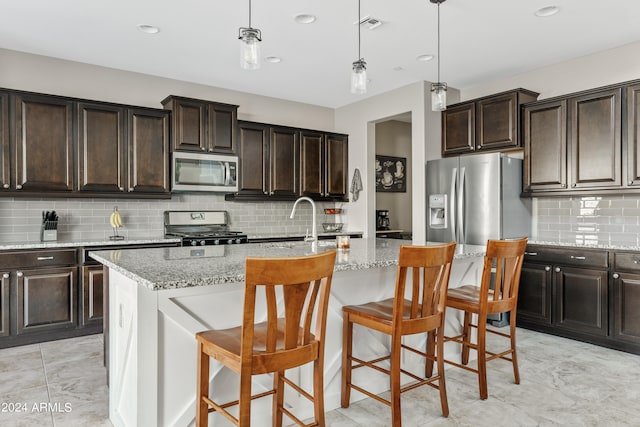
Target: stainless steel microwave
[[204, 172]]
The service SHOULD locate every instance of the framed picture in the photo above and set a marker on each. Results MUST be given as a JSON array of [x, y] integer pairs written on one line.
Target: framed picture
[[391, 174]]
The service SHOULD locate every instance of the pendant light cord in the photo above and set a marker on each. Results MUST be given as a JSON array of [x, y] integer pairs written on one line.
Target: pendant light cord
[[359, 29], [439, 42], [250, 16]]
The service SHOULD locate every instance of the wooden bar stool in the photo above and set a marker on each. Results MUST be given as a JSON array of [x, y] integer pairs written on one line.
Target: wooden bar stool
[[497, 294], [430, 267], [286, 340]]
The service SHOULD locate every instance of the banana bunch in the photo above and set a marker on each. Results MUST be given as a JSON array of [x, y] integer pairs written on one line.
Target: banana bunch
[[115, 219]]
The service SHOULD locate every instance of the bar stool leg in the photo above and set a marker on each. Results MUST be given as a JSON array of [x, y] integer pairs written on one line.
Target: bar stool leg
[[347, 335], [318, 391], [466, 337], [514, 356], [430, 350], [202, 388], [244, 410], [441, 383], [396, 410], [278, 398], [482, 356]]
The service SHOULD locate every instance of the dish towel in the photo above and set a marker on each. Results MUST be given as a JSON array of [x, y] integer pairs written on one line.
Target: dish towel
[[356, 184]]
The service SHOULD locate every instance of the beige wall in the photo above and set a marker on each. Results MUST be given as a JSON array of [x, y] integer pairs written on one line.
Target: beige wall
[[393, 138], [43, 74], [587, 72]]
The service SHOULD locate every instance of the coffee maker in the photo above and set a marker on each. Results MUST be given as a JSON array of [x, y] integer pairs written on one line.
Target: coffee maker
[[382, 219]]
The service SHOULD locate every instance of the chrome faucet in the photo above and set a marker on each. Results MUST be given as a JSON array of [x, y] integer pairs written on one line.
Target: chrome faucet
[[314, 232]]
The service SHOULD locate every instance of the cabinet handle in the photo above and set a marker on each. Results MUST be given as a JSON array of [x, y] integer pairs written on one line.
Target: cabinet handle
[[265, 192], [547, 268], [5, 186], [630, 182], [121, 188], [563, 185], [271, 193], [210, 149], [19, 274], [558, 270], [18, 187], [44, 258], [130, 188], [531, 253], [578, 257], [5, 276], [203, 149], [616, 275]]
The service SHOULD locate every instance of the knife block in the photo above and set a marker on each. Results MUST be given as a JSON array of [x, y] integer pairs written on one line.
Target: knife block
[[49, 231]]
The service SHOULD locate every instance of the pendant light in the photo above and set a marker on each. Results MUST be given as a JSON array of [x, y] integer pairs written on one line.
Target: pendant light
[[359, 67], [438, 90], [250, 39]]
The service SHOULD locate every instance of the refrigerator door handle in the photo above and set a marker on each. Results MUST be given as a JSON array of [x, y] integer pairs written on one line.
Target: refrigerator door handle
[[461, 207], [452, 205]]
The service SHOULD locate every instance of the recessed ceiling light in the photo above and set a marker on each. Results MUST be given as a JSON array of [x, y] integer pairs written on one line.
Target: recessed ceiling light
[[424, 58], [398, 68], [547, 11], [273, 59], [304, 18], [149, 29]]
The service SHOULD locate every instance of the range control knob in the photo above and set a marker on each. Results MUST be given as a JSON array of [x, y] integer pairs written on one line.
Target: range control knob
[[238, 240], [216, 242], [193, 243], [202, 243]]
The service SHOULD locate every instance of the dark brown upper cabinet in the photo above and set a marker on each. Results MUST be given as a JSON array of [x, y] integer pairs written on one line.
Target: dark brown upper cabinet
[[545, 146], [43, 142], [633, 135], [148, 151], [595, 139], [202, 126], [484, 124], [102, 154], [5, 152], [284, 161], [252, 143], [598, 131], [324, 165]]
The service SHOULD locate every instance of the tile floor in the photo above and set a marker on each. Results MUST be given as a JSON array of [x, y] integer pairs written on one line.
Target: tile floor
[[564, 383]]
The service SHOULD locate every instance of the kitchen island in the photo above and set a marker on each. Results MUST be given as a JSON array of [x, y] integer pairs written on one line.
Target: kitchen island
[[159, 299]]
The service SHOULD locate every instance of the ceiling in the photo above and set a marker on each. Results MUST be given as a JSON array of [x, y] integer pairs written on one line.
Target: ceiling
[[481, 41]]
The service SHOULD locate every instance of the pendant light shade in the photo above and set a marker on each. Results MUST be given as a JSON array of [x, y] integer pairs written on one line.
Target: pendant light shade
[[359, 67], [359, 77], [438, 90], [250, 39]]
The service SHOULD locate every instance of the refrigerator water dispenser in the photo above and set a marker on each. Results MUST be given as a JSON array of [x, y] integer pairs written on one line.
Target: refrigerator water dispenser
[[438, 211]]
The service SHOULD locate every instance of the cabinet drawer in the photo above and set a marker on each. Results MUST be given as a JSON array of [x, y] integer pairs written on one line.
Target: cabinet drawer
[[629, 261], [567, 256], [36, 259]]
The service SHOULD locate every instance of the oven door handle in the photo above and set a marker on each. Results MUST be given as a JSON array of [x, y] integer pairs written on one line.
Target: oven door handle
[[227, 174]]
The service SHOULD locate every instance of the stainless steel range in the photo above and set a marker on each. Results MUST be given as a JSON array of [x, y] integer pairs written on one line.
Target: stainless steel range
[[199, 228]]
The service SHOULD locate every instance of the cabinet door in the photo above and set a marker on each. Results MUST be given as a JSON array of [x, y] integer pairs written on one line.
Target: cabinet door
[[101, 148], [626, 321], [459, 129], [253, 147], [43, 132], [595, 139], [4, 303], [545, 142], [284, 161], [47, 300], [312, 164], [92, 289], [497, 122], [222, 128], [337, 166], [5, 153], [633, 135], [534, 294], [581, 300], [189, 118], [148, 151]]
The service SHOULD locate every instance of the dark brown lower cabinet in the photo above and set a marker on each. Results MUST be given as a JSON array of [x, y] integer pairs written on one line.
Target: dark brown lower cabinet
[[4, 303], [581, 303], [92, 291], [626, 293], [534, 297], [46, 300]]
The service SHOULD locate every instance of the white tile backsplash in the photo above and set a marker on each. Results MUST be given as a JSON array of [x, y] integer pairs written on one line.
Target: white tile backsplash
[[610, 220], [88, 219]]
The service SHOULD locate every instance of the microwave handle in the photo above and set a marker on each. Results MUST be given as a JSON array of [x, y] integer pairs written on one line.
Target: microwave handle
[[227, 173]]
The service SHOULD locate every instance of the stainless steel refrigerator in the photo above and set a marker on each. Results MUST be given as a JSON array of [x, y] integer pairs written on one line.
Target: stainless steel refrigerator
[[473, 198]]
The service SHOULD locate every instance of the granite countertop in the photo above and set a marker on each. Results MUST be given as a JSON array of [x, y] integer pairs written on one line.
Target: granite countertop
[[626, 247], [180, 267], [71, 243], [298, 235]]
